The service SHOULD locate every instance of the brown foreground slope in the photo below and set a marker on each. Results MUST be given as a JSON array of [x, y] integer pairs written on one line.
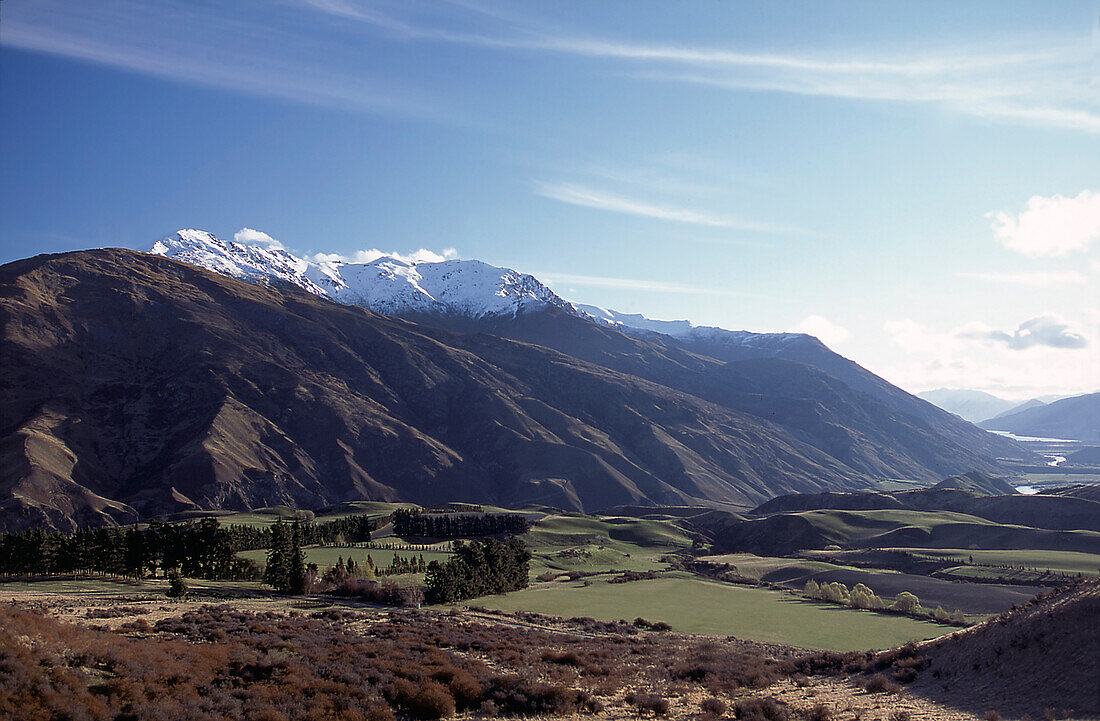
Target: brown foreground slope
[[132, 385], [1040, 659]]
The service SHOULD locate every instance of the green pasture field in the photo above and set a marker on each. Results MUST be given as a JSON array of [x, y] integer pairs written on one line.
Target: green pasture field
[[974, 599], [600, 543], [757, 567], [267, 516], [692, 605], [86, 586], [862, 525], [900, 484], [1061, 561], [326, 556], [1060, 479], [940, 529]]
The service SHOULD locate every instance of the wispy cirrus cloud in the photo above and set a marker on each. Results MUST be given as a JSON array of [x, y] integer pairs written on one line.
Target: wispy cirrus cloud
[[199, 46], [1050, 85], [603, 200]]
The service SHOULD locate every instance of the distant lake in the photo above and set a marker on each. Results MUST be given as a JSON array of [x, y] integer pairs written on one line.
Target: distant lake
[[1034, 439]]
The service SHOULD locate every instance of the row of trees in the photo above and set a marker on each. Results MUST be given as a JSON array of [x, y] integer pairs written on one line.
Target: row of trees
[[479, 568], [860, 596], [199, 550], [414, 522], [337, 532]]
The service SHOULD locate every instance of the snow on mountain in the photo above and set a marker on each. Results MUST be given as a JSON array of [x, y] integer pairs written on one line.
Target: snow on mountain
[[684, 329], [245, 261], [389, 285]]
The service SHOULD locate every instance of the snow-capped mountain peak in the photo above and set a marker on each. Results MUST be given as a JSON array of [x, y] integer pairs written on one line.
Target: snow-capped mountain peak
[[246, 261], [389, 284]]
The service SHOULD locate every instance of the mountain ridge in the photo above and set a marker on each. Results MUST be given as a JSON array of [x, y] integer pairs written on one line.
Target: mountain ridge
[[1074, 418], [139, 385], [269, 387]]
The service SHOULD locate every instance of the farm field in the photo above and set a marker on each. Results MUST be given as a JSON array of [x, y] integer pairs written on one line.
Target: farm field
[[1061, 479], [692, 605], [971, 599], [601, 543], [1062, 561], [83, 587], [267, 516], [326, 556]]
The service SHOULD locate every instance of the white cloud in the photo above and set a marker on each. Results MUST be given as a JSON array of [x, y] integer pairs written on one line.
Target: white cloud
[[1036, 278], [912, 337], [249, 236], [1050, 226], [825, 330], [1045, 330], [601, 200], [423, 255], [980, 357], [202, 44]]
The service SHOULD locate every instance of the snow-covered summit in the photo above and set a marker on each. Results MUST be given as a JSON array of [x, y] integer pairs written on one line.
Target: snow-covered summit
[[246, 261], [467, 288], [638, 324], [390, 284]]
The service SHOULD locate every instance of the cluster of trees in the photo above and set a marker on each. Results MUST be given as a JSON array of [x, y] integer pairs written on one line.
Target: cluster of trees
[[286, 564], [400, 565], [860, 596], [414, 522], [337, 532], [200, 550], [479, 568], [377, 545]]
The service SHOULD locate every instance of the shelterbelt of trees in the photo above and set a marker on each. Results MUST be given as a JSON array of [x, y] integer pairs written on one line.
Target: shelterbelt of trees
[[351, 529], [204, 549], [200, 549], [197, 549], [414, 522]]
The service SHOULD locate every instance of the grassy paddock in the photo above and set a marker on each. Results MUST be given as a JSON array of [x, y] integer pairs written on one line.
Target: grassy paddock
[[326, 556], [692, 605], [595, 544], [1062, 561]]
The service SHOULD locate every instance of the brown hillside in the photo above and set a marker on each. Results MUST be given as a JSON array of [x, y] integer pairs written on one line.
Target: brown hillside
[[1039, 659], [130, 383]]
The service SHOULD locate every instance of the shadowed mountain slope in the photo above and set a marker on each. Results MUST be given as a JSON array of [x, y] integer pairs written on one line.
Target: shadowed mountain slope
[[792, 380], [134, 385]]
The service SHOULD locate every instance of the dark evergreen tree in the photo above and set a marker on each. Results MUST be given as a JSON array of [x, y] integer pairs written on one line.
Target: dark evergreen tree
[[277, 571], [297, 566]]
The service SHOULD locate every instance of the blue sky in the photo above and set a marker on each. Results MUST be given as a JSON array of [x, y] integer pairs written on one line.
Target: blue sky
[[919, 185]]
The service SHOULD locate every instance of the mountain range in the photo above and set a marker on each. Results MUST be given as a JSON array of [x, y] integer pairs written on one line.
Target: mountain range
[[213, 374], [974, 406], [1075, 418]]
